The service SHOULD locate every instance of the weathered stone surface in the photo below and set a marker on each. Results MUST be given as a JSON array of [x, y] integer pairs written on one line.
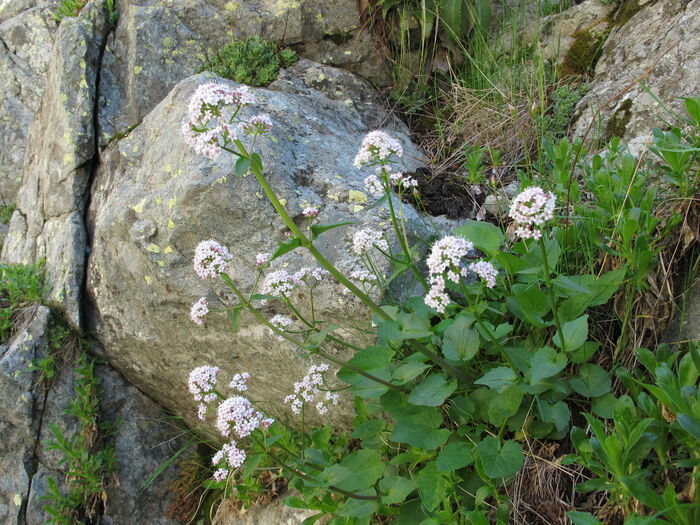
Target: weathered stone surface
[[26, 32], [143, 440], [48, 221], [691, 325], [274, 512], [663, 31], [35, 514], [157, 44], [18, 425], [154, 199]]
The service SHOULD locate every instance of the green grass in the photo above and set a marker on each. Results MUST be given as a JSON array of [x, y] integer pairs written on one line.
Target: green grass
[[20, 286]]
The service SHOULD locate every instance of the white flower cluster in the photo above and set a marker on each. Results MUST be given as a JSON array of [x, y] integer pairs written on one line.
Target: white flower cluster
[[280, 322], [403, 181], [364, 278], [238, 414], [307, 390], [257, 125], [309, 211], [486, 271], [262, 259], [374, 186], [278, 283], [377, 148], [444, 262], [211, 259], [205, 129], [240, 381], [365, 239], [310, 276], [530, 209], [201, 383], [199, 310], [232, 456]]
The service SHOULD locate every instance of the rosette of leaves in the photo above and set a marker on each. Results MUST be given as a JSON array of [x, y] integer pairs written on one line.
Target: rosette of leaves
[[251, 61]]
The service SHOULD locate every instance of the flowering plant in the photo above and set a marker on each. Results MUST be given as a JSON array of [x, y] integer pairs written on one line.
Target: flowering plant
[[454, 382]]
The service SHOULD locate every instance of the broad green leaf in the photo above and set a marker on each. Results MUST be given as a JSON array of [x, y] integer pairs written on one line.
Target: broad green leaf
[[505, 404], [461, 341], [529, 304], [556, 413], [582, 518], [453, 14], [286, 247], [316, 339], [690, 425], [593, 381], [497, 378], [500, 459], [409, 371], [368, 429], [454, 456], [574, 333], [372, 357], [364, 386], [235, 318], [432, 391], [485, 236], [242, 166], [432, 485], [358, 470], [421, 430], [546, 363], [318, 229], [604, 406], [256, 163], [359, 508], [395, 489]]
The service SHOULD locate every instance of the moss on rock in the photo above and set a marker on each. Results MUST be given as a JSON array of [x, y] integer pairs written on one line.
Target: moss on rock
[[584, 52], [617, 123]]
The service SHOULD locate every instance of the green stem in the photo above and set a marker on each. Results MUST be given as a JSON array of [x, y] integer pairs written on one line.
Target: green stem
[[550, 291], [448, 367]]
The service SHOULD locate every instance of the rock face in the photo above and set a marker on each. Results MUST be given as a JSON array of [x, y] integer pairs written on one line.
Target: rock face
[[661, 38], [154, 199], [142, 439], [26, 31]]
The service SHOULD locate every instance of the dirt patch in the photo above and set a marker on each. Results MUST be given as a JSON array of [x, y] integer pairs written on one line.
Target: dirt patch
[[443, 194]]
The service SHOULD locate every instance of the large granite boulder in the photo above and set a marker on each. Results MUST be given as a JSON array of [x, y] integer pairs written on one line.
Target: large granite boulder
[[659, 41], [154, 199], [26, 30]]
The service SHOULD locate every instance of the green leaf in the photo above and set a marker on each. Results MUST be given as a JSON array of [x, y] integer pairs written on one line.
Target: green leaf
[[556, 413], [546, 363], [690, 425], [256, 163], [318, 229], [358, 470], [319, 337], [460, 342], [242, 166], [395, 489], [498, 378], [285, 247], [235, 318], [529, 304], [582, 518], [364, 386], [372, 357], [421, 430], [432, 391], [453, 16], [500, 460], [409, 371], [368, 429], [505, 404], [359, 508], [454, 456], [604, 406], [432, 486], [593, 381], [575, 333], [484, 235]]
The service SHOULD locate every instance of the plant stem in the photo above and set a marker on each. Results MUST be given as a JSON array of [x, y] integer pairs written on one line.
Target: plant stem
[[448, 367], [550, 291]]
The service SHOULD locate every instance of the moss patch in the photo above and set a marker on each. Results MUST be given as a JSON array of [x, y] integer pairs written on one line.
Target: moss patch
[[584, 52], [617, 124], [626, 10]]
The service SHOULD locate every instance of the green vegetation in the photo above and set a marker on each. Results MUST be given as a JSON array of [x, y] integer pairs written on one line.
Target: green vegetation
[[6, 213], [252, 61], [88, 461], [68, 8], [555, 124], [582, 56], [20, 286]]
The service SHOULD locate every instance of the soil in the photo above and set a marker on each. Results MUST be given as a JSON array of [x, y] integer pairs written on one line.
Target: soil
[[443, 194]]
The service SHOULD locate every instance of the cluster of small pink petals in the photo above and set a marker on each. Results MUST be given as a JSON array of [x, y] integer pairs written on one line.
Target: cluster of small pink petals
[[374, 186], [237, 413], [257, 125], [306, 390], [486, 271], [365, 239], [444, 262], [211, 259], [199, 310], [403, 181], [531, 209], [220, 474], [331, 399], [278, 283], [240, 381], [310, 211], [231, 456], [364, 278], [280, 322], [377, 147], [205, 142], [262, 259], [202, 381], [310, 276]]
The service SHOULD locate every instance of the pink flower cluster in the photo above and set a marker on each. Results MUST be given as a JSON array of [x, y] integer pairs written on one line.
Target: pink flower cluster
[[365, 239], [262, 259], [206, 130], [232, 456], [199, 310], [257, 125], [531, 209], [374, 186], [403, 181], [307, 390], [237, 413], [281, 283], [444, 262], [239, 382], [377, 148], [309, 211], [202, 383], [211, 259], [280, 322], [486, 271]]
